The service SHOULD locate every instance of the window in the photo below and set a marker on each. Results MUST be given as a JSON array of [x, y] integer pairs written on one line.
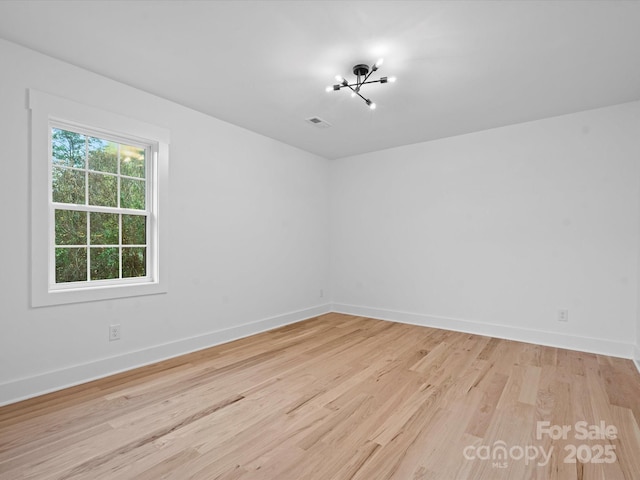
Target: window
[[98, 189], [99, 197]]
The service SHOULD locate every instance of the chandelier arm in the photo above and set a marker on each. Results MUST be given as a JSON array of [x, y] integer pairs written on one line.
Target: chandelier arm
[[360, 84], [367, 76], [351, 87], [366, 100], [357, 92]]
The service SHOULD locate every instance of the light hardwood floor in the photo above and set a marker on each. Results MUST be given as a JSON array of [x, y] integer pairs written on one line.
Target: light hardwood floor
[[338, 397]]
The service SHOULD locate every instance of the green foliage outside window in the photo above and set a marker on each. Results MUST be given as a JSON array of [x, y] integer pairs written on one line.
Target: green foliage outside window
[[93, 172]]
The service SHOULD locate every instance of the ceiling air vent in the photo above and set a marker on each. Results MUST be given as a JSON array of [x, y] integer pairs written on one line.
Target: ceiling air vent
[[318, 122]]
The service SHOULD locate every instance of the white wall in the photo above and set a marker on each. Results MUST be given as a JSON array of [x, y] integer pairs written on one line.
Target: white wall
[[493, 232], [636, 352], [249, 241]]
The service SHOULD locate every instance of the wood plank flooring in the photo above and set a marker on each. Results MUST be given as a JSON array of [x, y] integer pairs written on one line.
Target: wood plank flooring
[[340, 397]]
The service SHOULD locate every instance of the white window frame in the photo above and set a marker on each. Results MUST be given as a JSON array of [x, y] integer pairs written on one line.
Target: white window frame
[[49, 111]]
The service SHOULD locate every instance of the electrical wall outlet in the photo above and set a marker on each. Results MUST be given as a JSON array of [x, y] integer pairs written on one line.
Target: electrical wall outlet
[[114, 332], [563, 315]]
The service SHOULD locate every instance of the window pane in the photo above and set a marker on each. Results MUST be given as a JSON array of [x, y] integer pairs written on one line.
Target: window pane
[[134, 262], [68, 148], [104, 263], [104, 228], [71, 227], [71, 265], [132, 161], [103, 190], [103, 155], [68, 186], [132, 193], [134, 230]]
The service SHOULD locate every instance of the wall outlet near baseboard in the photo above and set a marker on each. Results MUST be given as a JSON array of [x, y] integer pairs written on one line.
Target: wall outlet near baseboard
[[114, 332], [563, 315]]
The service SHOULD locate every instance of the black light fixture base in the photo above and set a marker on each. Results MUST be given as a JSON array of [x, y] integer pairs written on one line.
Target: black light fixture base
[[361, 70]]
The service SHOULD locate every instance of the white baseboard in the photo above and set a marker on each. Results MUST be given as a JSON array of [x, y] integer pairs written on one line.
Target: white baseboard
[[21, 389], [24, 388], [540, 337]]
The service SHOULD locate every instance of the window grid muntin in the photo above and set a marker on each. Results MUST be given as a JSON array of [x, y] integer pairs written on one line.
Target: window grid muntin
[[120, 246], [149, 156]]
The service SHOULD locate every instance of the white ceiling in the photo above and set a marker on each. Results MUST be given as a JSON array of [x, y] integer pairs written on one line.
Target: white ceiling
[[461, 66]]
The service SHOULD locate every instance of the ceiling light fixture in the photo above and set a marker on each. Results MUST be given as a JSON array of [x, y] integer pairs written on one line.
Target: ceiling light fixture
[[362, 73]]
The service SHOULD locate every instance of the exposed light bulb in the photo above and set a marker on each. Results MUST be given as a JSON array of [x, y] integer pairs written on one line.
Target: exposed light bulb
[[391, 79], [372, 106], [353, 94], [339, 79], [329, 88], [379, 62]]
